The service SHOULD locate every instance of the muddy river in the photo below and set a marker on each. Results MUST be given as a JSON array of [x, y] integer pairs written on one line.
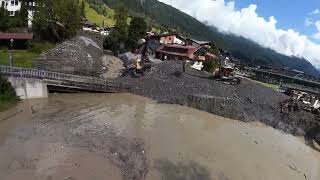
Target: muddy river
[[123, 136]]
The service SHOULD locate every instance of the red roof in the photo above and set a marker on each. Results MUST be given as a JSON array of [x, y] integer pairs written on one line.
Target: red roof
[[23, 36], [190, 49]]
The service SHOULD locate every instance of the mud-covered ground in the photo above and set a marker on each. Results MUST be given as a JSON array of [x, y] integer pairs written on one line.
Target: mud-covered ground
[[128, 137], [247, 101]]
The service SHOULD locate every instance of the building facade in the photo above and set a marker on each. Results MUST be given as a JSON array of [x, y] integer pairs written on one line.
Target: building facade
[[13, 6]]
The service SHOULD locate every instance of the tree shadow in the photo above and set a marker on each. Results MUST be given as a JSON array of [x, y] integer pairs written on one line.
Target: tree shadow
[[184, 171]]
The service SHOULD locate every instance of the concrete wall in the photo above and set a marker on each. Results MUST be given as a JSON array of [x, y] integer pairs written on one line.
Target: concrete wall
[[28, 88]]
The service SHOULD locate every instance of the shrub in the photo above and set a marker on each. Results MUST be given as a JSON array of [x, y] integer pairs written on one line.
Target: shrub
[[7, 92], [211, 65]]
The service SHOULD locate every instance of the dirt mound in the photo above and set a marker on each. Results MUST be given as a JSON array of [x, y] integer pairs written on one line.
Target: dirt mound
[[113, 66], [247, 101], [80, 55]]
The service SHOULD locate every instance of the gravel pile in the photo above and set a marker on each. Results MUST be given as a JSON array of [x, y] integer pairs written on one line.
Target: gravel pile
[[247, 101], [113, 67], [80, 55]]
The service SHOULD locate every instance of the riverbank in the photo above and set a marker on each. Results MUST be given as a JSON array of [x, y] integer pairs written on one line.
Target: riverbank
[[247, 101]]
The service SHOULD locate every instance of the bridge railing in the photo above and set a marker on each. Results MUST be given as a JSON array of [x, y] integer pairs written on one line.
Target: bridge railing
[[62, 79]]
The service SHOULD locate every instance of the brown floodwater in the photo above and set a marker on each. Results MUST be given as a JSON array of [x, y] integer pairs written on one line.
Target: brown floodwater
[[123, 136]]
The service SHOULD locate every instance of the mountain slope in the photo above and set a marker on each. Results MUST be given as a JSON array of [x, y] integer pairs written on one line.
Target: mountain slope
[[245, 50]]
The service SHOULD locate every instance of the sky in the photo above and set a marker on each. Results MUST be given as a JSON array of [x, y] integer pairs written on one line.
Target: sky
[[290, 27]]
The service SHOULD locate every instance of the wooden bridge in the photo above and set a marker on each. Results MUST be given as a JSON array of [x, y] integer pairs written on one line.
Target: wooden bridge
[[65, 82]]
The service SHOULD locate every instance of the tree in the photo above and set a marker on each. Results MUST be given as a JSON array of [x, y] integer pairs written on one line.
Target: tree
[[117, 38], [137, 30], [7, 92], [56, 20], [82, 8], [4, 19]]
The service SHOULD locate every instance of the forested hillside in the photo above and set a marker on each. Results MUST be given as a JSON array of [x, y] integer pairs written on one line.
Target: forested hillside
[[245, 50]]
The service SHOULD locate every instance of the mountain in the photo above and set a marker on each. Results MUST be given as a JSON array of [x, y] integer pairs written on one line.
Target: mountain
[[248, 52]]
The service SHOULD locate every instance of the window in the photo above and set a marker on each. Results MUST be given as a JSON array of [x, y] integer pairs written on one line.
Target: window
[[14, 3], [11, 13]]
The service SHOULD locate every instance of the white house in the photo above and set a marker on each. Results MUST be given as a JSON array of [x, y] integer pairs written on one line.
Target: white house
[[15, 5]]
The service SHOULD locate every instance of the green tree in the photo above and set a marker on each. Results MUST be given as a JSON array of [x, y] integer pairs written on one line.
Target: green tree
[[82, 8], [4, 19], [56, 20], [137, 30], [121, 26], [7, 92], [118, 37]]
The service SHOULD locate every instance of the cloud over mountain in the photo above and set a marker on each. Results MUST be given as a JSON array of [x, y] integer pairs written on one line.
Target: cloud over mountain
[[247, 23]]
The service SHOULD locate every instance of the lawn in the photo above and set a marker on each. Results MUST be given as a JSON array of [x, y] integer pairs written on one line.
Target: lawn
[[98, 19], [24, 58]]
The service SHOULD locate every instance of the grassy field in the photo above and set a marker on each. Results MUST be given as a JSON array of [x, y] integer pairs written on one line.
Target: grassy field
[[24, 58], [99, 19], [272, 86]]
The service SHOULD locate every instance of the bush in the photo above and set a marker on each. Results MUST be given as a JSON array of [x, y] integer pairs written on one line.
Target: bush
[[211, 65], [7, 92], [39, 47]]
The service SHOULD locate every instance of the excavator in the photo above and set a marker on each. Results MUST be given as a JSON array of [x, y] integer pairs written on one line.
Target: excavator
[[141, 64]]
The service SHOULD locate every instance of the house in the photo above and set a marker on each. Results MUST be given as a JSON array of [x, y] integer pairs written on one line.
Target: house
[[169, 38], [12, 6], [183, 52], [17, 40], [155, 41]]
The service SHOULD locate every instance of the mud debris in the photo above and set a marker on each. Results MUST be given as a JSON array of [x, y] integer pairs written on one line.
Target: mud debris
[[247, 101]]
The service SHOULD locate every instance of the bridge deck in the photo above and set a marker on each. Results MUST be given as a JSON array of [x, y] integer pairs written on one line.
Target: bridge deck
[[65, 80]]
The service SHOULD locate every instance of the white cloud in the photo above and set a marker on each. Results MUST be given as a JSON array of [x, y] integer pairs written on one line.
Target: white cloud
[[247, 23], [315, 12], [317, 35], [308, 22]]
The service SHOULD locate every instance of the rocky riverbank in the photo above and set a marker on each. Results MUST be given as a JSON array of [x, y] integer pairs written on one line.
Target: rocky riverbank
[[247, 101]]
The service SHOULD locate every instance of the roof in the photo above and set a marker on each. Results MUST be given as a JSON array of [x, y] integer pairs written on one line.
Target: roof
[[199, 42], [191, 49], [164, 35], [22, 36], [181, 46]]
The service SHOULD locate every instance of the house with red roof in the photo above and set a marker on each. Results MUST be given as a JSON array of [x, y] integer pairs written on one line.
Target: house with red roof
[[184, 52]]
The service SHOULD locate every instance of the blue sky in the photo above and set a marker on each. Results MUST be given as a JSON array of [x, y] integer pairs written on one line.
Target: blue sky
[[289, 13]]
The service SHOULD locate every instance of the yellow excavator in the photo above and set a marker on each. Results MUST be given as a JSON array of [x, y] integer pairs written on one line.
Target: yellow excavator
[[141, 64]]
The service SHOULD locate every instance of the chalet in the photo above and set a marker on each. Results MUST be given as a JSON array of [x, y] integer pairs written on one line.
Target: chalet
[[183, 52], [13, 6], [157, 40], [169, 38]]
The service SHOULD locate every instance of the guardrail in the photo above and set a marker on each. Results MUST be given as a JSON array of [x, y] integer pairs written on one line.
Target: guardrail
[[65, 80]]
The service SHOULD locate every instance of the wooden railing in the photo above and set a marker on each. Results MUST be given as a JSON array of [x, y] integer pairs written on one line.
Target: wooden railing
[[65, 80]]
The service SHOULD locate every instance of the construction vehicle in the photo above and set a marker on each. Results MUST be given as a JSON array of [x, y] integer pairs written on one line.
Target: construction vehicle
[[141, 64]]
